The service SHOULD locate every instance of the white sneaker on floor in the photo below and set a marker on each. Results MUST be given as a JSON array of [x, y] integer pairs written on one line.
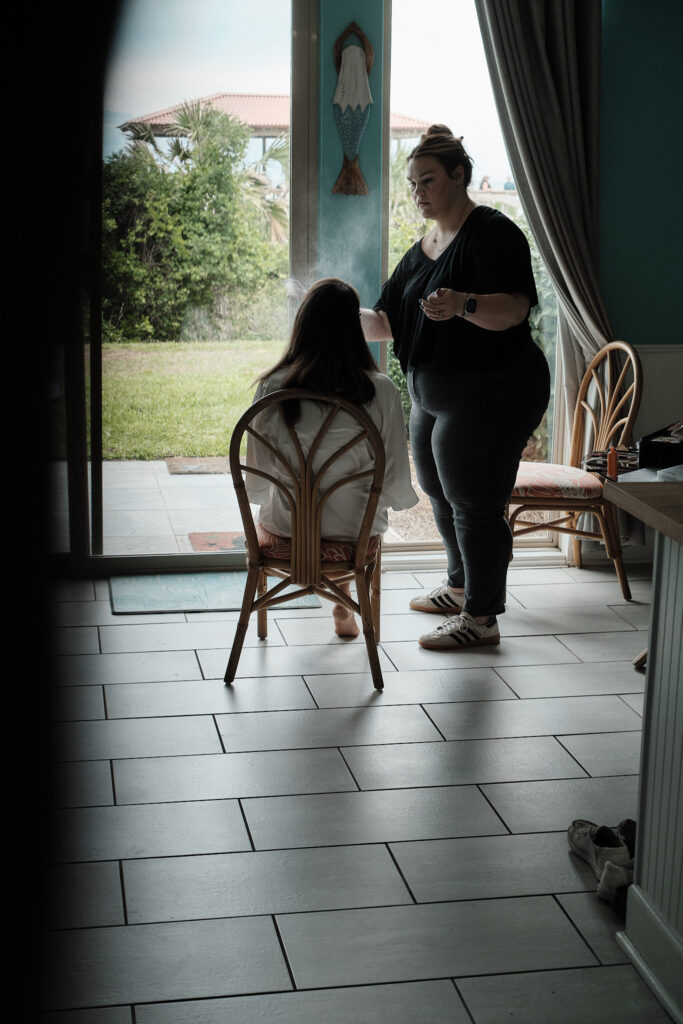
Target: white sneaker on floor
[[459, 632], [597, 844], [613, 877], [441, 600]]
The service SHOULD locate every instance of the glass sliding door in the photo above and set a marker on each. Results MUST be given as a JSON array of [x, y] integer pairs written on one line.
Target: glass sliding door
[[439, 76], [195, 257]]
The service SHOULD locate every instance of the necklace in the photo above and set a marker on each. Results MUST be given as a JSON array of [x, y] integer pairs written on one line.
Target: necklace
[[440, 248]]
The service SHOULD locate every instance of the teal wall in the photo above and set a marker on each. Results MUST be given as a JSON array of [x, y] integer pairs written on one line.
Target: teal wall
[[350, 227], [641, 170]]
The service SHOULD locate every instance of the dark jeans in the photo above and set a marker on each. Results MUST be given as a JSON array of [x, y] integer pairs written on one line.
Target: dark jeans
[[467, 431]]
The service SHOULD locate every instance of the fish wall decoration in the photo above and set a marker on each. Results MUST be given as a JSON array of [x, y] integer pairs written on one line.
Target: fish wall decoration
[[352, 102]]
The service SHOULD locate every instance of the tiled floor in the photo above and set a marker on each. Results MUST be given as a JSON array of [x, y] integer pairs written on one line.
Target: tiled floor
[[299, 848]]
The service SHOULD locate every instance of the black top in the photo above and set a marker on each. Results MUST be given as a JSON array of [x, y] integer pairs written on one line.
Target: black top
[[489, 254]]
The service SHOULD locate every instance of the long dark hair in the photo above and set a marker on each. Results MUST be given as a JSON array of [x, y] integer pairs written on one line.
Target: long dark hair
[[327, 351]]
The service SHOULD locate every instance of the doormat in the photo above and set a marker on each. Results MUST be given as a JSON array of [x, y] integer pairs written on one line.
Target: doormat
[[214, 464], [189, 592], [233, 541]]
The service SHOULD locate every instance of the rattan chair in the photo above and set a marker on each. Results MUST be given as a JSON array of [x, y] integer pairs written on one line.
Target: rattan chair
[[606, 408], [314, 564]]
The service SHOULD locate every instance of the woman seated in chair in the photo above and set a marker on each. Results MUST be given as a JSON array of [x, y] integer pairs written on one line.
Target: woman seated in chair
[[327, 353]]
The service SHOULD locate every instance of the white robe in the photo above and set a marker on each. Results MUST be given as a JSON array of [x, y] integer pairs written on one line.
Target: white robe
[[342, 513]]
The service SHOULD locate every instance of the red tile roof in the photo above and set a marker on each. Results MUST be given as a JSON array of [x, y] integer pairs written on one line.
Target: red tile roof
[[266, 115]]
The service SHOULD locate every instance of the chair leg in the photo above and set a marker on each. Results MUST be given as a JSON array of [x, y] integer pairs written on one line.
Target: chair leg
[[376, 594], [369, 629], [610, 532], [262, 613], [240, 632], [576, 545]]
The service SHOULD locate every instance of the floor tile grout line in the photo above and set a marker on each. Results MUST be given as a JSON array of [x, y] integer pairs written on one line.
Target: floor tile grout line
[[576, 927], [403, 878], [284, 952], [497, 812], [246, 825]]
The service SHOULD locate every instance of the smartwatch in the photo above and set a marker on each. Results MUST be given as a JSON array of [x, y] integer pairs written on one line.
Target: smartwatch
[[470, 306]]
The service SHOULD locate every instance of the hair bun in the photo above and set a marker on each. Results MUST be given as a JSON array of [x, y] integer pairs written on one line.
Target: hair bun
[[441, 130]]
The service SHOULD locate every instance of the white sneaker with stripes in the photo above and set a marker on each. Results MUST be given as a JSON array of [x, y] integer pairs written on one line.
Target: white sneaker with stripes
[[459, 632], [441, 600]]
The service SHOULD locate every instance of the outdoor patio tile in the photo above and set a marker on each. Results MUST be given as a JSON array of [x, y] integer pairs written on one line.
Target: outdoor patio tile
[[430, 941], [207, 697], [184, 499], [573, 680], [543, 998], [76, 703], [184, 960], [74, 640], [207, 520], [482, 867], [152, 544], [138, 524], [597, 922], [144, 830], [226, 776], [244, 884], [549, 716], [117, 469], [132, 737], [578, 594], [607, 753], [132, 499], [85, 895], [533, 650], [369, 1004], [549, 806], [282, 730], [276, 660], [459, 763], [607, 646], [82, 784], [95, 669], [379, 816], [179, 636], [433, 686]]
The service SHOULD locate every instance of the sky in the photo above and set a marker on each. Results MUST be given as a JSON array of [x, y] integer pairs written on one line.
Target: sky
[[167, 51]]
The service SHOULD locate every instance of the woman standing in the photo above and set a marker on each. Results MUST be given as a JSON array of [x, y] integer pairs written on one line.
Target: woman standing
[[457, 308]]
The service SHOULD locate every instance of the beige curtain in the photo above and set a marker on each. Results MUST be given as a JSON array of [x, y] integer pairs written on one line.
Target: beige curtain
[[544, 62]]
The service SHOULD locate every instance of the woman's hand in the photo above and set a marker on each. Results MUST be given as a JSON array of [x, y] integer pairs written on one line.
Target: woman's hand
[[443, 304], [495, 312]]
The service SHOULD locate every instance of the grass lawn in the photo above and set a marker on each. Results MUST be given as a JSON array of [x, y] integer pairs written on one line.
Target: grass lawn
[[178, 399]]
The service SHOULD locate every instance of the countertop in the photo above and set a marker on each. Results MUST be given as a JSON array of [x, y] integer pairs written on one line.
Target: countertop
[[658, 504]]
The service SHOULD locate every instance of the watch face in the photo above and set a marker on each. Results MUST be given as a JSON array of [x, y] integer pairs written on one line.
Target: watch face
[[471, 305]]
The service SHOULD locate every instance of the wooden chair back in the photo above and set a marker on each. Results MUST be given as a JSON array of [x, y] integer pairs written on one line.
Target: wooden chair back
[[304, 488], [608, 401]]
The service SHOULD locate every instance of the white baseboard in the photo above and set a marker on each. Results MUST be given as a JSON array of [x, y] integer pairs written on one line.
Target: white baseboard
[[655, 950]]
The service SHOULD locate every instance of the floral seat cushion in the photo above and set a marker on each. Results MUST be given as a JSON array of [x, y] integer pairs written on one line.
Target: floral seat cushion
[[273, 546], [548, 480]]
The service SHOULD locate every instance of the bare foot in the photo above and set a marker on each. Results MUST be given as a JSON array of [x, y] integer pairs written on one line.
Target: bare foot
[[344, 621]]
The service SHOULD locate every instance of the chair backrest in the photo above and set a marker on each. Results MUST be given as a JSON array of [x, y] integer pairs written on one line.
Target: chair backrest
[[304, 489], [608, 401]]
